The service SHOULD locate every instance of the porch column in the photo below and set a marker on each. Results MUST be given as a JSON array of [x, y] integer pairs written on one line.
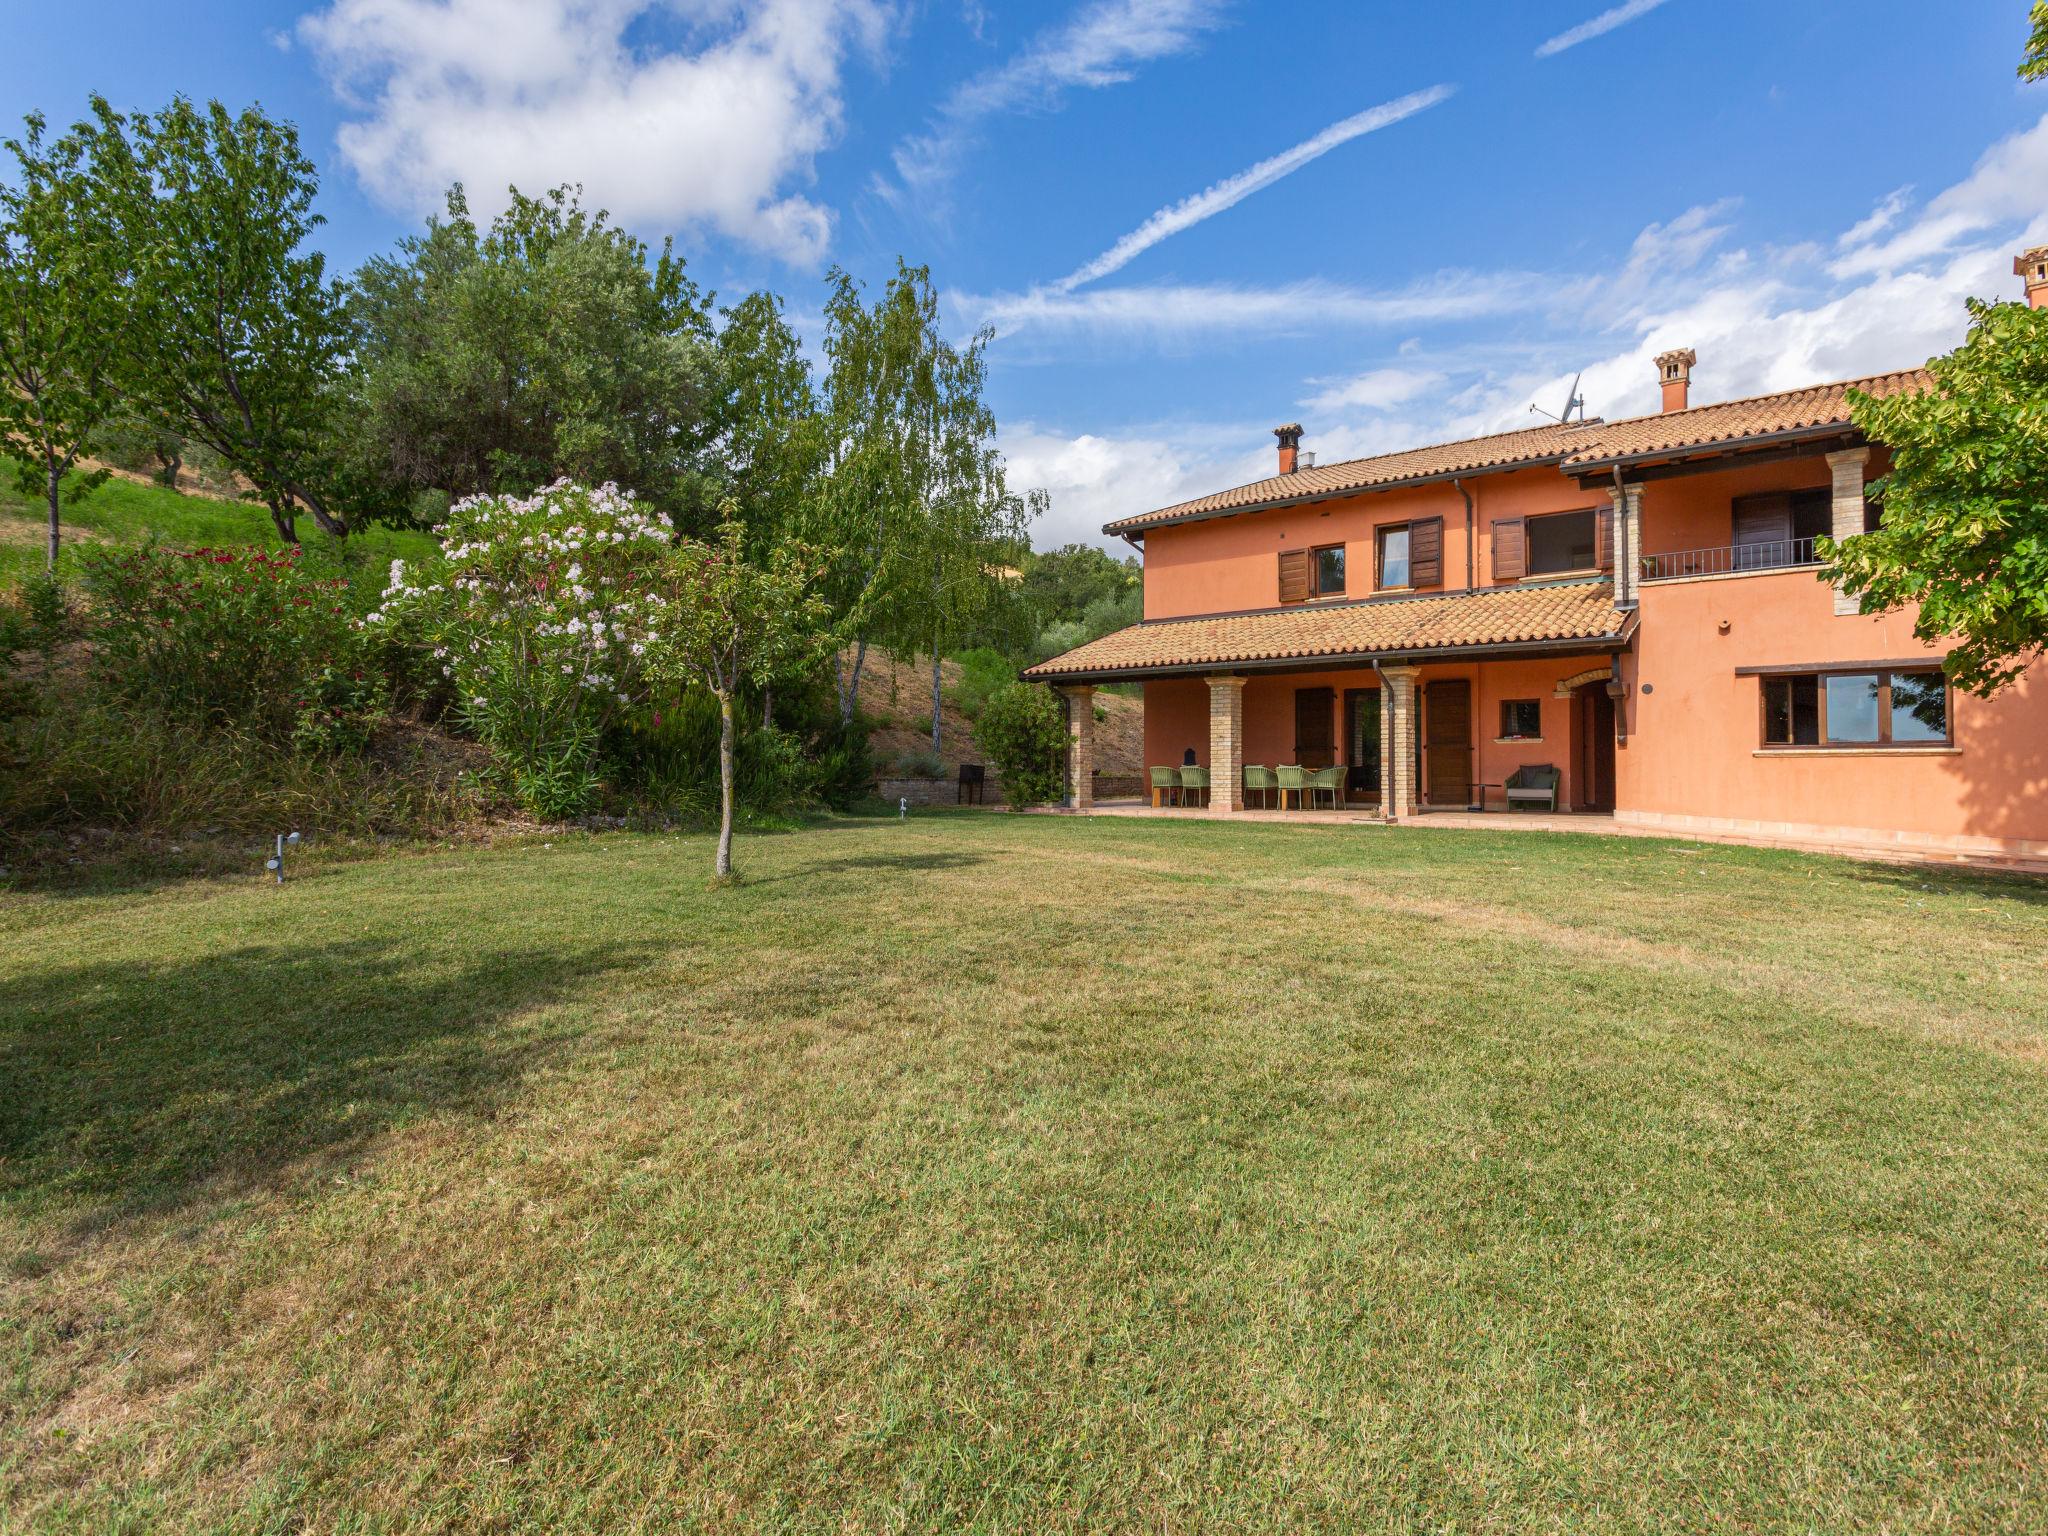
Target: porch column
[[1847, 468], [1226, 743], [1397, 742], [1081, 745], [1628, 544]]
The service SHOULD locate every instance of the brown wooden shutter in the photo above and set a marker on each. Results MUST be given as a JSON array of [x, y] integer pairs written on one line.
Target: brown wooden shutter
[[1510, 550], [1603, 538], [1294, 575], [1765, 519], [1426, 553]]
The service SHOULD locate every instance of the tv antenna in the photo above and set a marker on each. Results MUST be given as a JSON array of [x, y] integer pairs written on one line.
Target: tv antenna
[[1573, 401]]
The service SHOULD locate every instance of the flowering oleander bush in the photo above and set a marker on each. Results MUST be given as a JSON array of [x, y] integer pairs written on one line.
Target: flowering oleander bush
[[540, 620], [245, 637]]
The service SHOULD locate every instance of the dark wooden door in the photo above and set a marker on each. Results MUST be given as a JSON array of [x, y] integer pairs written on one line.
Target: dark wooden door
[[1447, 742], [1362, 743], [1315, 727], [1596, 748]]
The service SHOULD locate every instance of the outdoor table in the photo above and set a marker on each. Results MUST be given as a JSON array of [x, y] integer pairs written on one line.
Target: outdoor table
[[1479, 791]]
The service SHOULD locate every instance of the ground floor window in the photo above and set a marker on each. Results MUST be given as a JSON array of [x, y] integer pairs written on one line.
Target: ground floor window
[[1856, 709], [1521, 719]]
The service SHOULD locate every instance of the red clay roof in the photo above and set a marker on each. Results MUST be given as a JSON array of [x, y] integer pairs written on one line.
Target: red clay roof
[[1574, 448], [1534, 445], [1500, 616]]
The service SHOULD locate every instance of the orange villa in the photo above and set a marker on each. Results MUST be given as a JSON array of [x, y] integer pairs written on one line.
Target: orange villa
[[1631, 604]]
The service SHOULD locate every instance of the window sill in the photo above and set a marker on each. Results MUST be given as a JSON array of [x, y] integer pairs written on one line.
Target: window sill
[[1875, 750], [1518, 741]]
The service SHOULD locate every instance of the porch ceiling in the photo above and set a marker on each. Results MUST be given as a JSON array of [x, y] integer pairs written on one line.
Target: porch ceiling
[[1547, 617]]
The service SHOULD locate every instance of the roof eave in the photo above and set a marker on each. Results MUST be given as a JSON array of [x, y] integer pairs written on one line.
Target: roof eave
[[1614, 640], [1720, 448]]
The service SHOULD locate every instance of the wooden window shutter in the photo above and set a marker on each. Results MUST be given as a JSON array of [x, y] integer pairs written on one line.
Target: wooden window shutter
[[1510, 550], [1294, 575], [1603, 538], [1426, 552], [1765, 519]]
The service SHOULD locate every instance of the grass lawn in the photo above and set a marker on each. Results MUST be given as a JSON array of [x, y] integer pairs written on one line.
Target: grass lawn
[[1027, 1174], [121, 511]]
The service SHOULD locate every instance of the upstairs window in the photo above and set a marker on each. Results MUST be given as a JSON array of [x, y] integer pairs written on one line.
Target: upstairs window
[[1394, 556], [1412, 554], [1329, 571], [1563, 541], [1856, 709], [1309, 573]]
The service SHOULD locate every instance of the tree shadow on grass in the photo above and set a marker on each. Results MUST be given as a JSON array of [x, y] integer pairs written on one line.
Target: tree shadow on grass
[[898, 862], [1981, 884], [136, 1088]]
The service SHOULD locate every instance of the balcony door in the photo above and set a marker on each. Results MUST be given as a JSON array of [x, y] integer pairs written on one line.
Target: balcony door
[[1447, 742]]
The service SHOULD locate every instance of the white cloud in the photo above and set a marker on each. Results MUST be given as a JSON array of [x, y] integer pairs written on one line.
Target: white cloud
[[1879, 219], [1170, 309], [1092, 479], [1600, 25], [1377, 389], [1101, 45], [2005, 185], [1232, 190], [712, 132]]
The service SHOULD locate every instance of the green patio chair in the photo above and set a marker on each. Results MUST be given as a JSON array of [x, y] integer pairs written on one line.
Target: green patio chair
[[1535, 785], [1165, 786], [1326, 781], [1259, 780], [1194, 785], [1290, 776]]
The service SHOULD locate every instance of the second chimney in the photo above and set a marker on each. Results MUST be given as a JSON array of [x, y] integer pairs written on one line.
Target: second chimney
[[1674, 372], [2031, 268], [1290, 446]]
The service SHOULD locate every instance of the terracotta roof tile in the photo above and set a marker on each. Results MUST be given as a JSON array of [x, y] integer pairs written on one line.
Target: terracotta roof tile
[[1554, 611], [1793, 410], [1536, 445], [1575, 448]]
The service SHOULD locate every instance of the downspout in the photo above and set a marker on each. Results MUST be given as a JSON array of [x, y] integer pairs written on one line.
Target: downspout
[[1470, 567]]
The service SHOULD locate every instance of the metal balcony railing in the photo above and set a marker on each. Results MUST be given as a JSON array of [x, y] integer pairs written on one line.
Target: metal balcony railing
[[1775, 555]]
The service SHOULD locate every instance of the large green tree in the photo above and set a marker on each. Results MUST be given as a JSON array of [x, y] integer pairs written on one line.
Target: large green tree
[[59, 330], [912, 506], [553, 344], [1964, 531], [232, 335]]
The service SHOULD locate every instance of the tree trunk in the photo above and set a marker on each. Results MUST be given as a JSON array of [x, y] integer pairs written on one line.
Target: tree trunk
[[725, 785], [55, 484], [327, 520], [768, 706], [849, 685], [938, 701], [287, 525]]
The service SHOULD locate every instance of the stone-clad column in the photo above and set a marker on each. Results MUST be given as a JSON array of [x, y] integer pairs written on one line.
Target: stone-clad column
[[1628, 544], [1847, 468], [1226, 743], [1397, 742], [1081, 746]]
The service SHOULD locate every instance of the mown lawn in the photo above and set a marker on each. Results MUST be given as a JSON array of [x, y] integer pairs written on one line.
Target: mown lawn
[[1023, 1174]]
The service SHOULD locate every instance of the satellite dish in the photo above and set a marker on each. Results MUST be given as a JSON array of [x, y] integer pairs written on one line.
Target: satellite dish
[[1573, 401]]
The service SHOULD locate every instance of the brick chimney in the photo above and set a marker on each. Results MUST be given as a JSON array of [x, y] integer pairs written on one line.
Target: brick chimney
[[1674, 372], [1290, 446], [2031, 268]]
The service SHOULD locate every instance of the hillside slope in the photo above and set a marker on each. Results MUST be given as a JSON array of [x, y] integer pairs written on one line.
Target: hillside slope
[[897, 695]]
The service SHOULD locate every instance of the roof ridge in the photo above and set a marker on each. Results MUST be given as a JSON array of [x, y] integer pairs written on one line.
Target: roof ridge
[[1773, 394]]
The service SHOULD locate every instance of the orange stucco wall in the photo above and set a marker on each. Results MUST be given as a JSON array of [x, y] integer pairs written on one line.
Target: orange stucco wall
[[1229, 564], [1697, 511], [1692, 746]]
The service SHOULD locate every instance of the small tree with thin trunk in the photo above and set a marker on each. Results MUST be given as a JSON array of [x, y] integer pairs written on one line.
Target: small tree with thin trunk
[[722, 619], [58, 332]]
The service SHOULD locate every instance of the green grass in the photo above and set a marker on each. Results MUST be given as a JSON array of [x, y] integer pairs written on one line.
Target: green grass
[[121, 511], [1027, 1174]]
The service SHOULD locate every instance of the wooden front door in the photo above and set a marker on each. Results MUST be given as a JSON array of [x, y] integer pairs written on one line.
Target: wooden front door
[[1596, 748], [1447, 742], [1315, 727]]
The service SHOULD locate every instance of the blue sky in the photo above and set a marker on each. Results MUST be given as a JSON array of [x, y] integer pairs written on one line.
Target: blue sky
[[1190, 220]]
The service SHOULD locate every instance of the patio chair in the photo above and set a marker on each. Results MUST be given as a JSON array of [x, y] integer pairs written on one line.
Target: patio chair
[[1194, 785], [1326, 781], [1259, 780], [1535, 785], [1165, 787], [1290, 777]]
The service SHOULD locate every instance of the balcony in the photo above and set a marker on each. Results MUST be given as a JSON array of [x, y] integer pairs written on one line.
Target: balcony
[[1730, 560]]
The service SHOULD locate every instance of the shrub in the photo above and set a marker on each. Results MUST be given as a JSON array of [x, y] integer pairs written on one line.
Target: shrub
[[1023, 730], [241, 637], [673, 756], [921, 763], [540, 620], [982, 673]]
